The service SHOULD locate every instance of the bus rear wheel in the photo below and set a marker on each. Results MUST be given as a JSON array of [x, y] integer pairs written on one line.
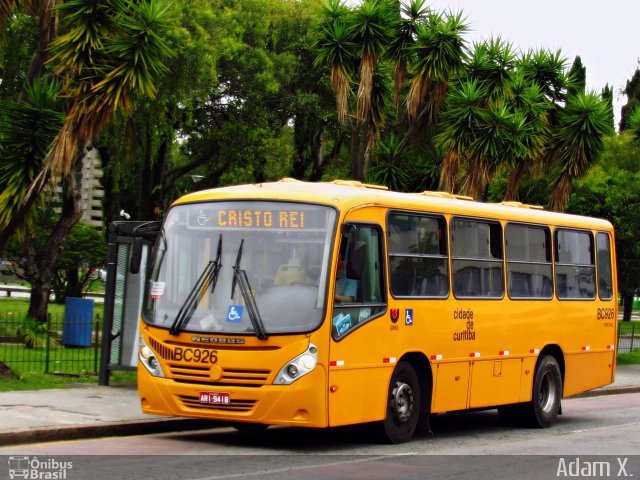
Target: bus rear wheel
[[544, 406], [547, 393], [403, 404]]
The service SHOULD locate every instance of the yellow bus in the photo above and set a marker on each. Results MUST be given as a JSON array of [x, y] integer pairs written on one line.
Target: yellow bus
[[327, 304]]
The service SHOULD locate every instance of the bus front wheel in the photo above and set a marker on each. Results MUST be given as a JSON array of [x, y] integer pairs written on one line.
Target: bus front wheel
[[403, 404]]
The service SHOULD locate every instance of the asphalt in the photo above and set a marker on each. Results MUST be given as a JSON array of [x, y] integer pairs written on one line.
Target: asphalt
[[89, 411]]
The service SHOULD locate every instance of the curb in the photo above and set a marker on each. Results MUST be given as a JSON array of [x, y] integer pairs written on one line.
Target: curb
[[609, 391], [111, 429]]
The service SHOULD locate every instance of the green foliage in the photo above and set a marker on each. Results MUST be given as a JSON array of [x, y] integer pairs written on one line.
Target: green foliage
[[390, 169], [629, 358], [17, 43], [85, 250], [632, 91], [634, 124], [577, 77], [611, 190], [31, 333], [26, 131]]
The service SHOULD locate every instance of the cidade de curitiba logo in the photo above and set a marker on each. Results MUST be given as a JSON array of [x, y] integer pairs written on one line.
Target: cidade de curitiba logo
[[468, 333], [40, 469]]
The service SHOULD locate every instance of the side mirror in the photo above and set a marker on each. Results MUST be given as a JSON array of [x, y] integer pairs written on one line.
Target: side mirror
[[356, 259]]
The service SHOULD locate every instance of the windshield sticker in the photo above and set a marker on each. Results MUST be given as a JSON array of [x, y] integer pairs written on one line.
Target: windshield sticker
[[157, 290], [234, 313]]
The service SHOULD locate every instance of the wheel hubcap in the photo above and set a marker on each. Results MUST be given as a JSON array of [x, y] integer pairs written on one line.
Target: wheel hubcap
[[403, 401], [547, 394]]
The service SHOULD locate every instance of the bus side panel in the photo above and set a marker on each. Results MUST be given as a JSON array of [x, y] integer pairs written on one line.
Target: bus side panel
[[495, 382], [585, 371], [526, 379], [360, 395], [451, 387]]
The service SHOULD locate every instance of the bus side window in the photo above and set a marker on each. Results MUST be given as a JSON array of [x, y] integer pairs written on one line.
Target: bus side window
[[418, 260], [529, 270], [476, 252]]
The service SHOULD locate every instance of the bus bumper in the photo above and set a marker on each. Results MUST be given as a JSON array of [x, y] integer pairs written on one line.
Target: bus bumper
[[302, 403]]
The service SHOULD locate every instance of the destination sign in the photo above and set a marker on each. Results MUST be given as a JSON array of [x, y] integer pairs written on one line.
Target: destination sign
[[258, 218], [261, 218]]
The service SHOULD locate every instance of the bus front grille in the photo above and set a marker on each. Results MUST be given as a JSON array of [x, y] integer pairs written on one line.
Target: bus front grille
[[228, 377], [192, 401]]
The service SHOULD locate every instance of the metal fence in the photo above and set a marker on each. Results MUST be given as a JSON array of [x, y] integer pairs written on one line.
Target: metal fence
[[628, 336], [60, 346], [73, 347]]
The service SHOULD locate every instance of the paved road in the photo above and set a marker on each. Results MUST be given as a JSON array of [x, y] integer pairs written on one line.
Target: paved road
[[470, 445]]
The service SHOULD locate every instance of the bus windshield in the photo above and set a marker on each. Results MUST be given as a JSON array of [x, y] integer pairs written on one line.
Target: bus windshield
[[241, 267]]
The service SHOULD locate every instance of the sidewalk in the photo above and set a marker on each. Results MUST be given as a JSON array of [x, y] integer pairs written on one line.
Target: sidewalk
[[93, 411]]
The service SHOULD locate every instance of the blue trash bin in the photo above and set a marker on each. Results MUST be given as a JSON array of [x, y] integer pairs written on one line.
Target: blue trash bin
[[78, 317]]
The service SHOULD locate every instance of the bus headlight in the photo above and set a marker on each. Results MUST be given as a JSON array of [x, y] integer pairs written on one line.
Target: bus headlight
[[148, 358], [298, 367]]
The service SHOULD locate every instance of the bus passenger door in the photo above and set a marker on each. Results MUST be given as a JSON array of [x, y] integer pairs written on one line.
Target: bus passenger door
[[357, 386]]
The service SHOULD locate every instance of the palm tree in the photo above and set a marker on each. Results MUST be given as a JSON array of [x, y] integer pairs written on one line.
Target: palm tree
[[404, 38], [529, 101], [391, 168], [335, 48], [576, 143], [111, 51], [497, 141], [373, 23], [26, 131], [459, 124], [439, 54], [492, 63]]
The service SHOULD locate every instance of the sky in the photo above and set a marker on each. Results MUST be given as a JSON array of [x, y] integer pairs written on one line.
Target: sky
[[605, 34]]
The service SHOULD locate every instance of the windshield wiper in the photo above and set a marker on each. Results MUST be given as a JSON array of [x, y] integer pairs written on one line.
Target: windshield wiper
[[209, 276], [240, 278]]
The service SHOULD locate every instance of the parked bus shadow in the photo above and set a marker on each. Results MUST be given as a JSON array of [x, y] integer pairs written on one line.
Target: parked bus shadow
[[299, 440]]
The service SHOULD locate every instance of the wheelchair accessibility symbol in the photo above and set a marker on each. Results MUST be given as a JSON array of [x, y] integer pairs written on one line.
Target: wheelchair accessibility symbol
[[408, 317], [234, 313]]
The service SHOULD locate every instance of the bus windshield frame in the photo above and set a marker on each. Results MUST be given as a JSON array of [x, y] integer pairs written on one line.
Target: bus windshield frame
[[280, 250]]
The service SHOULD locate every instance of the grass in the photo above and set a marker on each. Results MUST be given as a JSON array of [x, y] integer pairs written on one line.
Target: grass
[[20, 306], [29, 364], [43, 381], [630, 358]]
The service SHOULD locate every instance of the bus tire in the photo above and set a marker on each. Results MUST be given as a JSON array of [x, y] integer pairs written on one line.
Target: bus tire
[[546, 397], [403, 404]]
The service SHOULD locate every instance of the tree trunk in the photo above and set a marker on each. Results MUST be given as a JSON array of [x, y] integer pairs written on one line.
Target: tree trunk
[[513, 184], [356, 159], [74, 285], [47, 32], [39, 301], [69, 216], [627, 307]]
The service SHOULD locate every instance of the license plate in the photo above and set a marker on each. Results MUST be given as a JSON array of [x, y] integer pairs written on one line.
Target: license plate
[[215, 398]]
